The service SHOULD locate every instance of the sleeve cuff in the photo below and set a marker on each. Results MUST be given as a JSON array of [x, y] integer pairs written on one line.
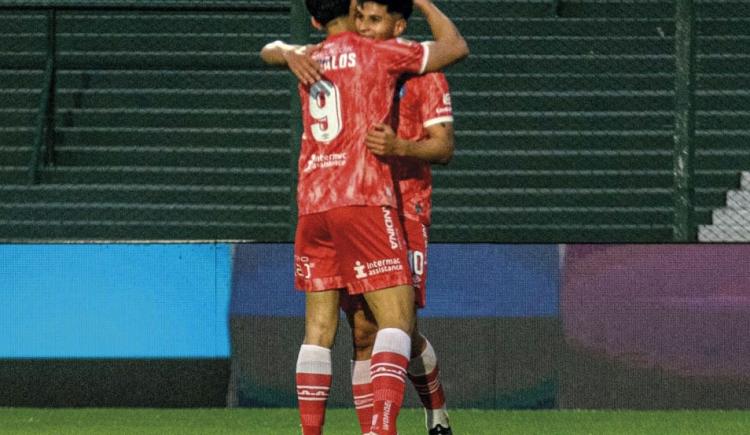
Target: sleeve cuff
[[433, 121], [425, 56]]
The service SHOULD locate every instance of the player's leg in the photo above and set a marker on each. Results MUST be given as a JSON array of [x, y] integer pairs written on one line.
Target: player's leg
[[313, 374], [394, 314], [378, 268], [364, 329], [423, 366], [315, 273], [424, 373]]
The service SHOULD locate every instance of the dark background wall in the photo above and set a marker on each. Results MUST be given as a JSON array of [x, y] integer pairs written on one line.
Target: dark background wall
[[515, 326], [491, 316], [655, 326]]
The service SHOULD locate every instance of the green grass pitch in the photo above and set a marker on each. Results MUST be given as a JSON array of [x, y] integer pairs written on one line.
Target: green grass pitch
[[24, 421]]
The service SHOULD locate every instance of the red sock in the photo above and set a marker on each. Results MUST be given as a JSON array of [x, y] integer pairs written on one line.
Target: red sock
[[313, 385], [362, 392], [388, 373], [429, 389], [424, 373]]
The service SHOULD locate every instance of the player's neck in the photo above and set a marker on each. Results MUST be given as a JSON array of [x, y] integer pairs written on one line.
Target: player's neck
[[339, 25]]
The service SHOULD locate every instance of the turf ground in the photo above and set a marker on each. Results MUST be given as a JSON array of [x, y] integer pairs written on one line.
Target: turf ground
[[24, 421]]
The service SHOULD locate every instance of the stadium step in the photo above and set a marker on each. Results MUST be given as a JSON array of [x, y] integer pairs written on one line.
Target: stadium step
[[566, 121], [569, 101], [20, 79], [14, 155], [51, 230], [176, 175], [578, 233], [19, 136], [185, 136], [547, 215], [552, 160], [149, 156], [20, 98], [12, 174], [147, 194], [159, 97], [738, 199], [550, 26], [558, 82], [529, 141], [167, 119], [735, 159], [175, 22], [450, 177], [140, 212], [582, 198], [722, 9], [242, 79], [723, 233], [13, 117], [593, 44], [745, 180], [731, 217], [580, 64]]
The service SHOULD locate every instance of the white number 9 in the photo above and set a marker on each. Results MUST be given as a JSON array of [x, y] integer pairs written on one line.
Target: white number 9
[[325, 109]]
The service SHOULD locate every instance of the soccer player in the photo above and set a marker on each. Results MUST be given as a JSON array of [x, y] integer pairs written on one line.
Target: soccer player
[[348, 235], [425, 135]]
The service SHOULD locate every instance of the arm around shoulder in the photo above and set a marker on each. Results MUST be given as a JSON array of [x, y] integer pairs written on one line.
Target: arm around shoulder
[[294, 57], [273, 52], [449, 45]]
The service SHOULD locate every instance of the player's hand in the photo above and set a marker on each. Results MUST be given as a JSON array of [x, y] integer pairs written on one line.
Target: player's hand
[[302, 65], [381, 140]]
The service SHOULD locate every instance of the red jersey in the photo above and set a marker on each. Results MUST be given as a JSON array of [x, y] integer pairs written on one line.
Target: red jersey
[[357, 91], [423, 101]]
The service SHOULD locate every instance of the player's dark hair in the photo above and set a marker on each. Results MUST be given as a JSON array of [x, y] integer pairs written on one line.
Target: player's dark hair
[[326, 11], [403, 7]]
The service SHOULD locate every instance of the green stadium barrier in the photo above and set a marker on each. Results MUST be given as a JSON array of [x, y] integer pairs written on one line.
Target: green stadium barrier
[[565, 120]]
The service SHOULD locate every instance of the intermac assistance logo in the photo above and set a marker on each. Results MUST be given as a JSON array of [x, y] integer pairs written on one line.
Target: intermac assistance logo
[[363, 270], [324, 161], [360, 269]]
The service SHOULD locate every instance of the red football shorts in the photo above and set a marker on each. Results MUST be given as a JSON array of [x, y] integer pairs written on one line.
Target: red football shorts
[[360, 248], [416, 243]]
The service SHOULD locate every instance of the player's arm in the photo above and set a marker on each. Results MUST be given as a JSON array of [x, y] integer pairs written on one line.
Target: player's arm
[[449, 46], [295, 57], [437, 148]]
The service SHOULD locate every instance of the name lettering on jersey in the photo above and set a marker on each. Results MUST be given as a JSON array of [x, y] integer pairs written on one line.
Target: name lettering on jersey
[[324, 161], [338, 61], [392, 237], [377, 267]]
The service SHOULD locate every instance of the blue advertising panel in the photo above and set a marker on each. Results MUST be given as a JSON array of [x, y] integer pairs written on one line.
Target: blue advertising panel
[[476, 280], [114, 301]]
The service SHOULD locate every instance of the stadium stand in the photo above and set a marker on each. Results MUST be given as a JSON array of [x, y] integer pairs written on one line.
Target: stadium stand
[[732, 222], [166, 126], [723, 121], [564, 123]]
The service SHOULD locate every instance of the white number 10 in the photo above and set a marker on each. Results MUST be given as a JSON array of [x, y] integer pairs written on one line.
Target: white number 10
[[325, 108]]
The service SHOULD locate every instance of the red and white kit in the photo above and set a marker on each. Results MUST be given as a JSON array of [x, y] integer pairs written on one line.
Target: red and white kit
[[424, 101], [360, 248]]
